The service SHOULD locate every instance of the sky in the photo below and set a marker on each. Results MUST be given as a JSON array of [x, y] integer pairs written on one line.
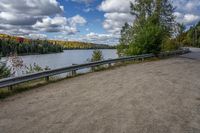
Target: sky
[[96, 21]]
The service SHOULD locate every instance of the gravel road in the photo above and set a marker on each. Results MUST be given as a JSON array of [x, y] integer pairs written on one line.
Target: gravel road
[[153, 97]]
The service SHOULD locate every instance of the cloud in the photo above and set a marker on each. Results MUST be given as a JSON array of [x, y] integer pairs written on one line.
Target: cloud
[[37, 36], [17, 19], [23, 17], [114, 21], [91, 37], [49, 24], [117, 13], [121, 6], [31, 7], [77, 20], [60, 24], [187, 19], [187, 11], [109, 39]]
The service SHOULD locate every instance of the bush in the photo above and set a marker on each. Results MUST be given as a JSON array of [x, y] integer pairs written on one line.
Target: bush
[[4, 71], [35, 68], [169, 45], [97, 56]]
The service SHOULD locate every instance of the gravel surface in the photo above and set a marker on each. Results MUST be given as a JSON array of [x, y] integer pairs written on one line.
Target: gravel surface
[[153, 97]]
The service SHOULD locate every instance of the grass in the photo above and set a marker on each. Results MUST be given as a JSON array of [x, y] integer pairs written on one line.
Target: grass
[[6, 92]]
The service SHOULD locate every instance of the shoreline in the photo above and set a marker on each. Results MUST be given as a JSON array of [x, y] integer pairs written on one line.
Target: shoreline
[[53, 52]]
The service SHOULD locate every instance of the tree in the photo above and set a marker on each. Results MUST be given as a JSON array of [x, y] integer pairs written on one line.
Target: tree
[[180, 31], [4, 70], [126, 39], [97, 55], [154, 22]]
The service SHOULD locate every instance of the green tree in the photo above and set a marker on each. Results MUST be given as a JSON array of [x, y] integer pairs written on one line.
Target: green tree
[[154, 22], [97, 55], [180, 33], [4, 70]]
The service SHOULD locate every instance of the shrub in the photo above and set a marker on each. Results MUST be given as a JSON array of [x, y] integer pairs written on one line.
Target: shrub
[[4, 71], [97, 56], [169, 45]]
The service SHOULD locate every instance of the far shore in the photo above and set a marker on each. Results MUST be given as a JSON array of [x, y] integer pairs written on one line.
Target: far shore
[[25, 54]]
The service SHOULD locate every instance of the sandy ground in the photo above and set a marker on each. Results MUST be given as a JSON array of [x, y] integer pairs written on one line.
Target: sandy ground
[[153, 97]]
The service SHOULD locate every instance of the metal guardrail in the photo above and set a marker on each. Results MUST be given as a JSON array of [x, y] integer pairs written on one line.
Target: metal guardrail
[[9, 82]]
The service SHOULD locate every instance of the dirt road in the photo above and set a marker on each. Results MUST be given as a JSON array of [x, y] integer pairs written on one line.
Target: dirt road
[[153, 97]]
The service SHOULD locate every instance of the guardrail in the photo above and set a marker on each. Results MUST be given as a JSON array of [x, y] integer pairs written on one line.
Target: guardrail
[[9, 82]]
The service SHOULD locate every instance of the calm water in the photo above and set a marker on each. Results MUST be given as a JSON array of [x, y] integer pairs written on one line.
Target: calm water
[[67, 58]]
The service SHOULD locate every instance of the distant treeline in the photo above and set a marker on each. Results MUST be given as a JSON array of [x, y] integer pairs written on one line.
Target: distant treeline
[[191, 37], [8, 47], [12, 44], [80, 45]]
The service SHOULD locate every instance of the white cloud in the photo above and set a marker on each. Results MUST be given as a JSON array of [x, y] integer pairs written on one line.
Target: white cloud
[[187, 11], [60, 24], [51, 22], [91, 37], [109, 39], [37, 36], [22, 17], [116, 6], [189, 18], [77, 20], [186, 18], [31, 7], [117, 13]]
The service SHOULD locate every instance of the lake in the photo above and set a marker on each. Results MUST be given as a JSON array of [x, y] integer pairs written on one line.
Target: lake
[[67, 58]]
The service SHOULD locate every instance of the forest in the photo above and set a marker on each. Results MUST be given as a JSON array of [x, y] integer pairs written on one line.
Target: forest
[[12, 44], [17, 45], [190, 37], [80, 45], [8, 47]]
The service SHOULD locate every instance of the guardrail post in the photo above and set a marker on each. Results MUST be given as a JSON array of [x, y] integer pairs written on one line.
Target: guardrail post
[[109, 64], [47, 78], [93, 69], [142, 59], [10, 88], [73, 73]]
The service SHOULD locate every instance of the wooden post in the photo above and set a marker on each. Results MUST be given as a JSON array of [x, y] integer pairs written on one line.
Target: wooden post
[[73, 73], [93, 69], [10, 88], [47, 79]]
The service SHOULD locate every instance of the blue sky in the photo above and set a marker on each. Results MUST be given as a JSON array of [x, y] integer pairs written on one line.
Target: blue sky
[[97, 21]]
